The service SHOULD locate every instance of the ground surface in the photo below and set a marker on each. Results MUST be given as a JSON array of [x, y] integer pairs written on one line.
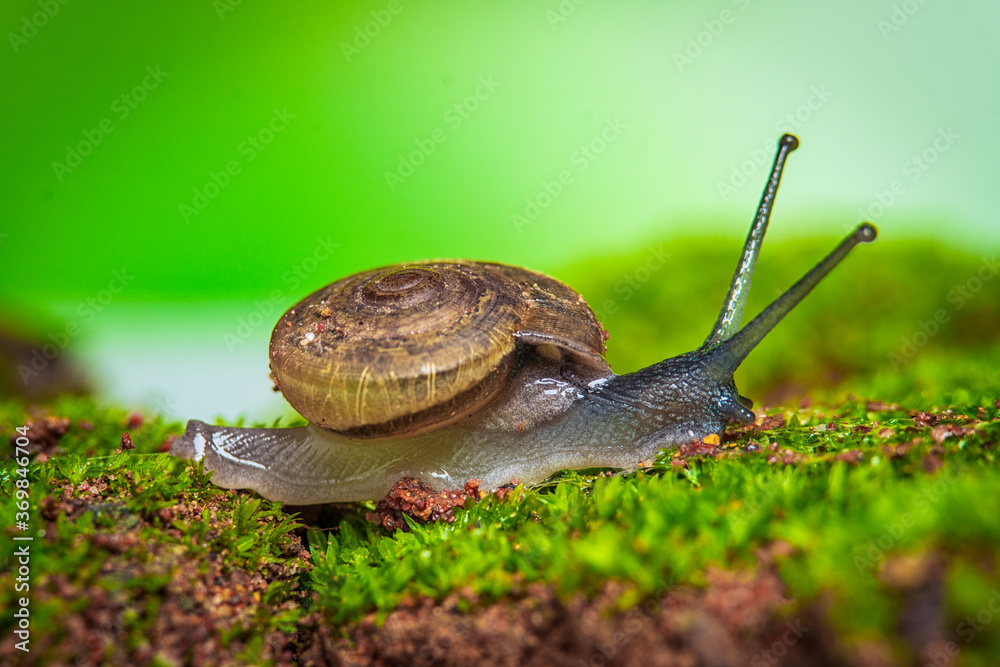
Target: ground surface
[[856, 524]]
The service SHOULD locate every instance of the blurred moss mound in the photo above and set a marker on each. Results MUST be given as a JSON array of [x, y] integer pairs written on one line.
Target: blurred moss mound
[[904, 320]]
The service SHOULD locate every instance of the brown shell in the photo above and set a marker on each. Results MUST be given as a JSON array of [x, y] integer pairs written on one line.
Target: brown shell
[[409, 348]]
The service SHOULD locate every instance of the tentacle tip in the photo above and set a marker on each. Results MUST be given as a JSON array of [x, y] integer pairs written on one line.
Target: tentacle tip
[[733, 408], [788, 140], [746, 417], [865, 233]]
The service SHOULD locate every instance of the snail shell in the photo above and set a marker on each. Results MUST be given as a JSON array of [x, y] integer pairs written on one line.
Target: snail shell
[[406, 349]]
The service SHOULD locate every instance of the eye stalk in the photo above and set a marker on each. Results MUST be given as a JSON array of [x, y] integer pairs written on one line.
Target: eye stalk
[[732, 352], [728, 345], [732, 308]]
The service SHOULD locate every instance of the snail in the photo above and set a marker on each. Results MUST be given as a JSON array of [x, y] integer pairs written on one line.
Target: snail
[[451, 370]]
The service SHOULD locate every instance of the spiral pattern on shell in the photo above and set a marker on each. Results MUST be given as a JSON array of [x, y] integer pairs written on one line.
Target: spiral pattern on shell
[[409, 348]]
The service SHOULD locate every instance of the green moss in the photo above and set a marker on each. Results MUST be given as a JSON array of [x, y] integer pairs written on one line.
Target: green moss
[[857, 509], [141, 527]]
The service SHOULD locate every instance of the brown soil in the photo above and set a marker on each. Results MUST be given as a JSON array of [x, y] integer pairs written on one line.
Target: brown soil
[[43, 435], [412, 498], [190, 607], [729, 623]]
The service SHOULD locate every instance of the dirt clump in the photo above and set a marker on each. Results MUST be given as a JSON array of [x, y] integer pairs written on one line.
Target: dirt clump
[[43, 435], [411, 497]]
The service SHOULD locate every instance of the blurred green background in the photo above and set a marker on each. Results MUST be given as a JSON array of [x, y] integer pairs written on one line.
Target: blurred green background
[[226, 158]]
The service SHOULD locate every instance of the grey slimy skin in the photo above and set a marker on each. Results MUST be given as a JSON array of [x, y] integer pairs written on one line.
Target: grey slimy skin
[[552, 415]]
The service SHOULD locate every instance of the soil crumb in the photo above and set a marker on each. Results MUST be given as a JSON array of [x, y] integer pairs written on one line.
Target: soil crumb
[[411, 497]]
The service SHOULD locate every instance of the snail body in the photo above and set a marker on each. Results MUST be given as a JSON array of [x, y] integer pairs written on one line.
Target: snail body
[[452, 370]]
